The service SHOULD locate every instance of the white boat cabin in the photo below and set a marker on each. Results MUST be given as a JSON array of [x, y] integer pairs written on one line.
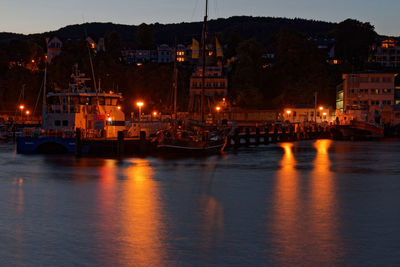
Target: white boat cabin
[[96, 114]]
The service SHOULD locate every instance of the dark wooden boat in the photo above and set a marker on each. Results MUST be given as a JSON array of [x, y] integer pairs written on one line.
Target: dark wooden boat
[[183, 142]]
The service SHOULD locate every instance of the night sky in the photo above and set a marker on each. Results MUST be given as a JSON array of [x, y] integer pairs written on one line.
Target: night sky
[[28, 16]]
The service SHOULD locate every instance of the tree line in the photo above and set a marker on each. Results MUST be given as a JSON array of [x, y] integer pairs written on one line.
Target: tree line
[[298, 70]]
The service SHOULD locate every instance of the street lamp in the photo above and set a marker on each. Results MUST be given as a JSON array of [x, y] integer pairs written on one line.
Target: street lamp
[[27, 114], [218, 109], [140, 105], [321, 108], [21, 107], [288, 112]]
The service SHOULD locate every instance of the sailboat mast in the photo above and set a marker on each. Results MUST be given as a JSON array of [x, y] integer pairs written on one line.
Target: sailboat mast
[[175, 88], [44, 104], [204, 37], [176, 80]]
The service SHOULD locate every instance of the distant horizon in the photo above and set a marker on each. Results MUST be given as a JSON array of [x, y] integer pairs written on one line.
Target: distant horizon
[[31, 17]]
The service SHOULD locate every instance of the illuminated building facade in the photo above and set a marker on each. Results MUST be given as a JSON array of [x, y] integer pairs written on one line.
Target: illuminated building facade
[[366, 94], [216, 88], [387, 53], [53, 48]]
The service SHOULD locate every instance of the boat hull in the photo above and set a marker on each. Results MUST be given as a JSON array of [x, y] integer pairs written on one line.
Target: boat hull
[[359, 131], [45, 145], [197, 148]]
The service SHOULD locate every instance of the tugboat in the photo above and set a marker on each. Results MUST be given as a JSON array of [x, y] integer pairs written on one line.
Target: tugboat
[[77, 109]]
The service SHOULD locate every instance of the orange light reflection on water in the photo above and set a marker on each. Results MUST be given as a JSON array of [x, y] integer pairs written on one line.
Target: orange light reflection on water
[[286, 236], [141, 211], [130, 224], [323, 211], [304, 215]]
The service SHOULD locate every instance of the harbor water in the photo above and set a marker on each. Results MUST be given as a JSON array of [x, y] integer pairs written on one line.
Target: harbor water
[[304, 203]]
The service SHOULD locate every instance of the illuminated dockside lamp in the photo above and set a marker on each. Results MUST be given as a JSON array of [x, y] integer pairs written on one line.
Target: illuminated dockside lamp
[[288, 112], [140, 105], [21, 108]]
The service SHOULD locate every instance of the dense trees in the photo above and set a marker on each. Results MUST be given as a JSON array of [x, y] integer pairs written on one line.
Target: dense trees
[[298, 70], [353, 41], [145, 36]]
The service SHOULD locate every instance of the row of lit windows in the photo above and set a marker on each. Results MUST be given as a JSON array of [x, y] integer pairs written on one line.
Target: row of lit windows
[[386, 58], [373, 102], [371, 79], [208, 84], [311, 114], [372, 91]]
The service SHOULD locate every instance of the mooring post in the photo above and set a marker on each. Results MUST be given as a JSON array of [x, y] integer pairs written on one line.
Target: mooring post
[[247, 137], [266, 136], [257, 136], [229, 141], [121, 142], [283, 135], [275, 135], [236, 138], [142, 142], [78, 142]]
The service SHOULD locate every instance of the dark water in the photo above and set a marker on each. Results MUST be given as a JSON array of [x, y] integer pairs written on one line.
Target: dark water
[[308, 203]]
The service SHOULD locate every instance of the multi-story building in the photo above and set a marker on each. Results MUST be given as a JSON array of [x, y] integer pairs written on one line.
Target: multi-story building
[[216, 88], [165, 54], [366, 96], [99, 46], [396, 107], [387, 53], [53, 48]]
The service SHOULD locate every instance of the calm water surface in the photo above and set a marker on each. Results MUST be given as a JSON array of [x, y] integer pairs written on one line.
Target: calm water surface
[[307, 203]]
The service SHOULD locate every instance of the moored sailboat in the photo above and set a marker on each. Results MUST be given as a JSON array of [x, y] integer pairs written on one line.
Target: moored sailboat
[[199, 138]]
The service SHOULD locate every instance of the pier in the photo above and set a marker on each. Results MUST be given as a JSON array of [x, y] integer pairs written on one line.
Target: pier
[[254, 136]]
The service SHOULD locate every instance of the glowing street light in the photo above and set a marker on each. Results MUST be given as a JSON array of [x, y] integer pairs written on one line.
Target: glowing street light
[[119, 107], [140, 105], [218, 108], [288, 111], [321, 108], [21, 107]]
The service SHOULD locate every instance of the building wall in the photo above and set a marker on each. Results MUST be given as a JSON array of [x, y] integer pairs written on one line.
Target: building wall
[[387, 53], [300, 115], [215, 82], [53, 49], [365, 94]]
